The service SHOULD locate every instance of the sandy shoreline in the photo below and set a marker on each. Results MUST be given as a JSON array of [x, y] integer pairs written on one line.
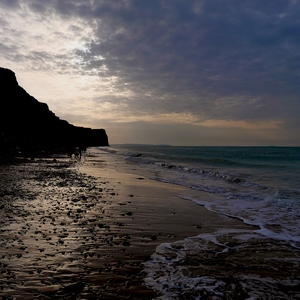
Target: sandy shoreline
[[83, 230]]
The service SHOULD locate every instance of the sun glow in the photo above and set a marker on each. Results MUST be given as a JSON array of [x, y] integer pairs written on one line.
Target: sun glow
[[184, 118]]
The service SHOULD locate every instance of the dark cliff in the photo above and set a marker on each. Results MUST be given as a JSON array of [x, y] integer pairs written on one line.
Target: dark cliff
[[28, 125]]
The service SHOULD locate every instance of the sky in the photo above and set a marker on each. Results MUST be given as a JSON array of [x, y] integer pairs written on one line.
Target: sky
[[179, 72]]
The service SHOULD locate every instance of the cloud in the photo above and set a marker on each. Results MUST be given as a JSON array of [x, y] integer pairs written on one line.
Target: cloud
[[192, 60], [9, 3], [233, 62]]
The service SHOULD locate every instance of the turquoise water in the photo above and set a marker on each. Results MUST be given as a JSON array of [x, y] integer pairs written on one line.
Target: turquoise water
[[282, 158], [280, 163]]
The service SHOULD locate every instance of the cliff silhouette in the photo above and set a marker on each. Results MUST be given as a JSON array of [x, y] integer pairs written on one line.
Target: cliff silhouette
[[28, 126]]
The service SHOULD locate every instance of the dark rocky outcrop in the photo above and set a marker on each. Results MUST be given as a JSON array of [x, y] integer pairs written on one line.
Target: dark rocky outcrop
[[27, 125]]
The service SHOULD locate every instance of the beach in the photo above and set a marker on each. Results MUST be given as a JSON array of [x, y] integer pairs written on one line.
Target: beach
[[92, 228]]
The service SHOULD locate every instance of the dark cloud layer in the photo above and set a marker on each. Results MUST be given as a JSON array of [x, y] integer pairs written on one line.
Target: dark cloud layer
[[226, 60], [199, 51]]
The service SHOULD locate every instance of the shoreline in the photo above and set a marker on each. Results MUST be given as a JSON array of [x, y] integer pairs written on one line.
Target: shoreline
[[88, 228]]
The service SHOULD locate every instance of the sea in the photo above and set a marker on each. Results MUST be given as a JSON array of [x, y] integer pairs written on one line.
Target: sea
[[259, 186]]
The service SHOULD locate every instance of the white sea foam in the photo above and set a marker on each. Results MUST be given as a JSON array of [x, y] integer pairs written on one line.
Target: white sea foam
[[222, 266], [280, 225]]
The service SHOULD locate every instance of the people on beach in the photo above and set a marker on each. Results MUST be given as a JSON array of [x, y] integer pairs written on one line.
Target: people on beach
[[75, 152]]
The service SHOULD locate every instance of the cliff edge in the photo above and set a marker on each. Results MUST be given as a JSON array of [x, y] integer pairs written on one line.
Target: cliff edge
[[28, 126]]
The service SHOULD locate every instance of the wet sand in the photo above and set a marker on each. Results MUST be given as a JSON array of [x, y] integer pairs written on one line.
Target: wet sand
[[83, 229]]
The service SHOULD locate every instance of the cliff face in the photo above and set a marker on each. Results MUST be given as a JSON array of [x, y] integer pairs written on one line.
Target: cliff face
[[28, 125]]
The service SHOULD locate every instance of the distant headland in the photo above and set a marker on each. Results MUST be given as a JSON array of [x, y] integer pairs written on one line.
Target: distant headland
[[28, 127]]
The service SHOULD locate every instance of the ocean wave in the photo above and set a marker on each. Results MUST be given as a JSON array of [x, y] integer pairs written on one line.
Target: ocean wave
[[238, 196], [228, 264], [256, 197], [232, 178]]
